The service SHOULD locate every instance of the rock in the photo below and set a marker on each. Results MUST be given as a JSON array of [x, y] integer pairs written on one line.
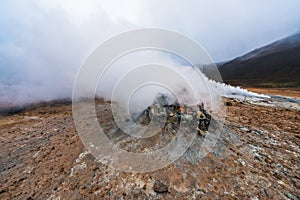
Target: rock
[[188, 117], [245, 129], [228, 103], [175, 114], [290, 196], [159, 187], [242, 161], [5, 194]]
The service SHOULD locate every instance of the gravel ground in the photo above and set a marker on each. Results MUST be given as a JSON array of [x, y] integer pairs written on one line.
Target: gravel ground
[[256, 157]]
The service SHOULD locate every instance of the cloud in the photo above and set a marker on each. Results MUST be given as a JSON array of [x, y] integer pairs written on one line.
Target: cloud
[[43, 48], [229, 28], [43, 43]]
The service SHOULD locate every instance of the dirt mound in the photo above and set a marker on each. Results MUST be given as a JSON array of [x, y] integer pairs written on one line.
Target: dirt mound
[[256, 157]]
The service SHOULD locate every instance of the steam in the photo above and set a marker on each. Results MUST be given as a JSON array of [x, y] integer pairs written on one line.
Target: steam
[[42, 49], [203, 90], [42, 44]]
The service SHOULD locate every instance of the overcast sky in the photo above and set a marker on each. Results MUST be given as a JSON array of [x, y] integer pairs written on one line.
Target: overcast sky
[[43, 43]]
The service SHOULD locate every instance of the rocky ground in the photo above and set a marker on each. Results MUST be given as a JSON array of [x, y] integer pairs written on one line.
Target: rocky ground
[[289, 92], [256, 157]]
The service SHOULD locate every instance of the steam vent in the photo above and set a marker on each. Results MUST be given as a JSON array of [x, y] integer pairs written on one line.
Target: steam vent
[[174, 113]]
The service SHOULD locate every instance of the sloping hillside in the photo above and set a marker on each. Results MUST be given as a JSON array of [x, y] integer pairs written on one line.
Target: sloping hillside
[[274, 65]]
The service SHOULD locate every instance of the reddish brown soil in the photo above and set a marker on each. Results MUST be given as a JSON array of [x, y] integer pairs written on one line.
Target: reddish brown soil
[[42, 157], [289, 92]]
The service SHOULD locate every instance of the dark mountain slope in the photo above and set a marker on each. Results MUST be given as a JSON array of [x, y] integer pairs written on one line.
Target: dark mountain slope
[[274, 65]]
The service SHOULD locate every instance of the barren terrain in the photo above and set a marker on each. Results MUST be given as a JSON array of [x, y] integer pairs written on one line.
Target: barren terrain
[[256, 157]]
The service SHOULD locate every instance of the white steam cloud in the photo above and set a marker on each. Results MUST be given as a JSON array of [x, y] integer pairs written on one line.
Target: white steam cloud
[[202, 90], [44, 48], [43, 43]]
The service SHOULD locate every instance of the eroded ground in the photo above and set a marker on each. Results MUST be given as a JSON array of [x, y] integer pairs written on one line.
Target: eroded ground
[[256, 157]]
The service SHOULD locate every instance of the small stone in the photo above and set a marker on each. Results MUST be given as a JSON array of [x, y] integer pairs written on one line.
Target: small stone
[[290, 196], [228, 103], [159, 187], [256, 132], [242, 161], [280, 182], [245, 129], [188, 117]]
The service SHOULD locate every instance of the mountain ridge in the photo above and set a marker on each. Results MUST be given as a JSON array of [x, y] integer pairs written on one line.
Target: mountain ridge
[[274, 65]]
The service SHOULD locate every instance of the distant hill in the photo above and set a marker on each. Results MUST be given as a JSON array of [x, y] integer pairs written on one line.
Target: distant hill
[[274, 65]]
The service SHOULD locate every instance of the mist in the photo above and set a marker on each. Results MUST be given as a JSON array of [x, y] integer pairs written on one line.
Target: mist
[[181, 82], [44, 43], [43, 48]]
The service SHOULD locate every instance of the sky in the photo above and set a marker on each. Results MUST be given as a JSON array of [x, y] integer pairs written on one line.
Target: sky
[[43, 43]]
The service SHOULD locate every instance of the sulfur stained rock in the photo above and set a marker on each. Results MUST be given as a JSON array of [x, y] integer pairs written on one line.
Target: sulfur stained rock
[[175, 114]]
